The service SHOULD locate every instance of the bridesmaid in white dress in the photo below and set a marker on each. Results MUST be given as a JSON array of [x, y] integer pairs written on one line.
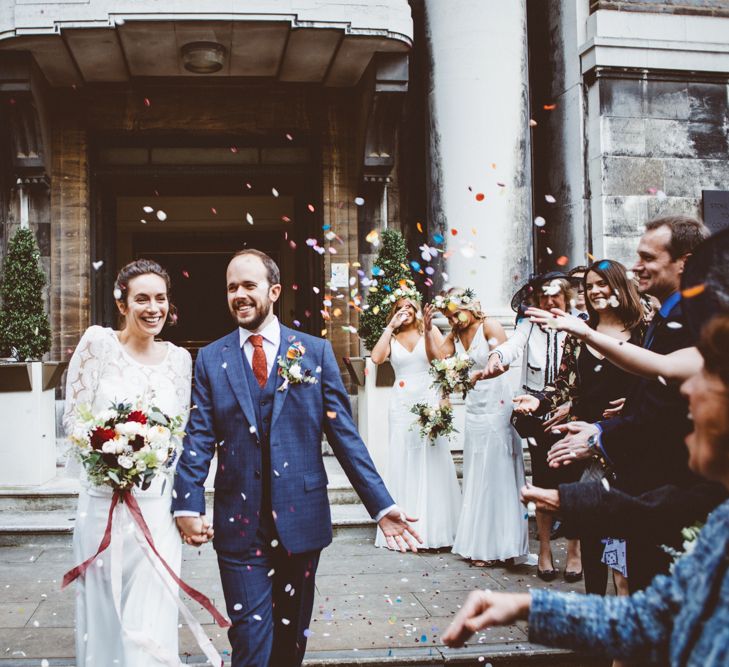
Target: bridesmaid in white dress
[[110, 366], [420, 474], [493, 524]]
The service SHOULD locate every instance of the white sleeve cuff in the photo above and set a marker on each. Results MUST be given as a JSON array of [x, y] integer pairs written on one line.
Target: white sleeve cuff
[[185, 513], [382, 513]]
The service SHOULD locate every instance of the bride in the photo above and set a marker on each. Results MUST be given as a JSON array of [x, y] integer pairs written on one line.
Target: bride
[[120, 366]]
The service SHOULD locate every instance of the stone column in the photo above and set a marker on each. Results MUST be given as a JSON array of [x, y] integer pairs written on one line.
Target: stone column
[[480, 169], [70, 238]]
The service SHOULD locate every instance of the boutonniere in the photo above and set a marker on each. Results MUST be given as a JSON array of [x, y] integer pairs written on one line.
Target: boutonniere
[[289, 367]]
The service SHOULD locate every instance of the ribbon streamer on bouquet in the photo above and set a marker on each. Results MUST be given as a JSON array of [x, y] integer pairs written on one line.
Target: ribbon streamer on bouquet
[[145, 642]]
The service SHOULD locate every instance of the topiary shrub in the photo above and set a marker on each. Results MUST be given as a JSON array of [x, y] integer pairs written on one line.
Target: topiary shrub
[[390, 271], [24, 329]]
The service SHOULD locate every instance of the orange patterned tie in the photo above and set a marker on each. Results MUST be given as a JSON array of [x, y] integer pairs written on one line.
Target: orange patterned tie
[[259, 360]]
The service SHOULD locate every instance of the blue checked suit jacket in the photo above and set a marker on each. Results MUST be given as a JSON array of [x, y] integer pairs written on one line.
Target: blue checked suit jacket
[[222, 419]]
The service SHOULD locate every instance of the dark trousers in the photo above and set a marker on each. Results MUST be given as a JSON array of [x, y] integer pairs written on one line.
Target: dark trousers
[[645, 561], [269, 596], [596, 572]]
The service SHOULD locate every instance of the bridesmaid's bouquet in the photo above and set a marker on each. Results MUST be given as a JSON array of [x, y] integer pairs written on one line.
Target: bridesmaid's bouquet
[[452, 375], [127, 444], [433, 421]]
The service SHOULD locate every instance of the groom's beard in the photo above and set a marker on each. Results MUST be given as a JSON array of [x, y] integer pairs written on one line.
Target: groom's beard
[[256, 314]]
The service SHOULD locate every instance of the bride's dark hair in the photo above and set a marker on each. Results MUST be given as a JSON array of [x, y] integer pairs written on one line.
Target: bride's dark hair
[[143, 267]]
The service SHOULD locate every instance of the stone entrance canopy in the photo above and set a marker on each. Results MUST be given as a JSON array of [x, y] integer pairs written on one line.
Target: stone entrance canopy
[[300, 41]]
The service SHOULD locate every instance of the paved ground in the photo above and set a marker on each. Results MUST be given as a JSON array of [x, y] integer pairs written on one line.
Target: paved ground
[[373, 607]]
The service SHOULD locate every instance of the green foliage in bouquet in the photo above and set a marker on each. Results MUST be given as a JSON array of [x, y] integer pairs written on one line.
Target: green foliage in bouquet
[[24, 329], [433, 421], [390, 270]]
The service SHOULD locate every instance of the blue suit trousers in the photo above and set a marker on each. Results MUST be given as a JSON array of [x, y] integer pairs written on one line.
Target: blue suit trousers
[[269, 595]]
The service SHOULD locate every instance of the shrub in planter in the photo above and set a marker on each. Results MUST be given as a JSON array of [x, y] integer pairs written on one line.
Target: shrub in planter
[[391, 272], [24, 329]]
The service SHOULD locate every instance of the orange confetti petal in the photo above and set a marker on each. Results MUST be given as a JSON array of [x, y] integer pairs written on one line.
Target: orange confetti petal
[[480, 196], [311, 207], [331, 414], [691, 292], [420, 227], [562, 261], [493, 165], [214, 210], [591, 257], [402, 383], [454, 232], [550, 107]]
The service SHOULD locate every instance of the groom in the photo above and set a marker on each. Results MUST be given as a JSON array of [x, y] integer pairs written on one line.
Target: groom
[[272, 515]]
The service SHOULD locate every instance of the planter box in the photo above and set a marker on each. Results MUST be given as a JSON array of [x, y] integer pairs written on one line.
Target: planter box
[[28, 416]]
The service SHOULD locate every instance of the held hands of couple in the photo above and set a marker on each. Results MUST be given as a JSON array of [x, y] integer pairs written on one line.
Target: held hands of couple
[[484, 609], [194, 530], [574, 446], [398, 532]]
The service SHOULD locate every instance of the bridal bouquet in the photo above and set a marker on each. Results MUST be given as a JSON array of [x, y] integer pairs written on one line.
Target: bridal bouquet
[[433, 421], [127, 444], [452, 375]]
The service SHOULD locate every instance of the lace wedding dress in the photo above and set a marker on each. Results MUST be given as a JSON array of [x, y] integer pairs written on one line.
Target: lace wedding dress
[[102, 373]]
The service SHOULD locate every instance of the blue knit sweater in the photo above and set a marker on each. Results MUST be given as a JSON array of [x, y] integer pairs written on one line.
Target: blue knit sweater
[[681, 620]]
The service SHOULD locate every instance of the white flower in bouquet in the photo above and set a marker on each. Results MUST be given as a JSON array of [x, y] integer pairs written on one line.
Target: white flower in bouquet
[[141, 465], [109, 447], [162, 455], [295, 371], [158, 435], [106, 415], [131, 429], [125, 462]]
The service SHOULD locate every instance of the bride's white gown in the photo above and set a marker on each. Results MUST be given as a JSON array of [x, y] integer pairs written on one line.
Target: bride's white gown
[[420, 476], [493, 523], [101, 372]]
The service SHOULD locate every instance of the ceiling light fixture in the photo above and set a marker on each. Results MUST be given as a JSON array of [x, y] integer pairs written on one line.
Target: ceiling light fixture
[[203, 57]]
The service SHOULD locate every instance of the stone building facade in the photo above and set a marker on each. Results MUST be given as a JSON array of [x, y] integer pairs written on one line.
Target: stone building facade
[[279, 122]]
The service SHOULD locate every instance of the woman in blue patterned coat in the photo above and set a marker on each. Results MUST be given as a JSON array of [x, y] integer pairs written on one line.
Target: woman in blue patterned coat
[[682, 619]]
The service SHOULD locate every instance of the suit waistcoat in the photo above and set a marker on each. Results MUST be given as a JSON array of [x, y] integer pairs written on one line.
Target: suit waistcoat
[[262, 399]]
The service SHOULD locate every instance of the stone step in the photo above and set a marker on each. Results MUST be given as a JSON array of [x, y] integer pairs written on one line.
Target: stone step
[[32, 500], [56, 527]]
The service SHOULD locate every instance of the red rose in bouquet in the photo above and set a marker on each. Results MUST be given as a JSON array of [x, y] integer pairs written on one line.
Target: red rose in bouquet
[[137, 416], [100, 435]]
